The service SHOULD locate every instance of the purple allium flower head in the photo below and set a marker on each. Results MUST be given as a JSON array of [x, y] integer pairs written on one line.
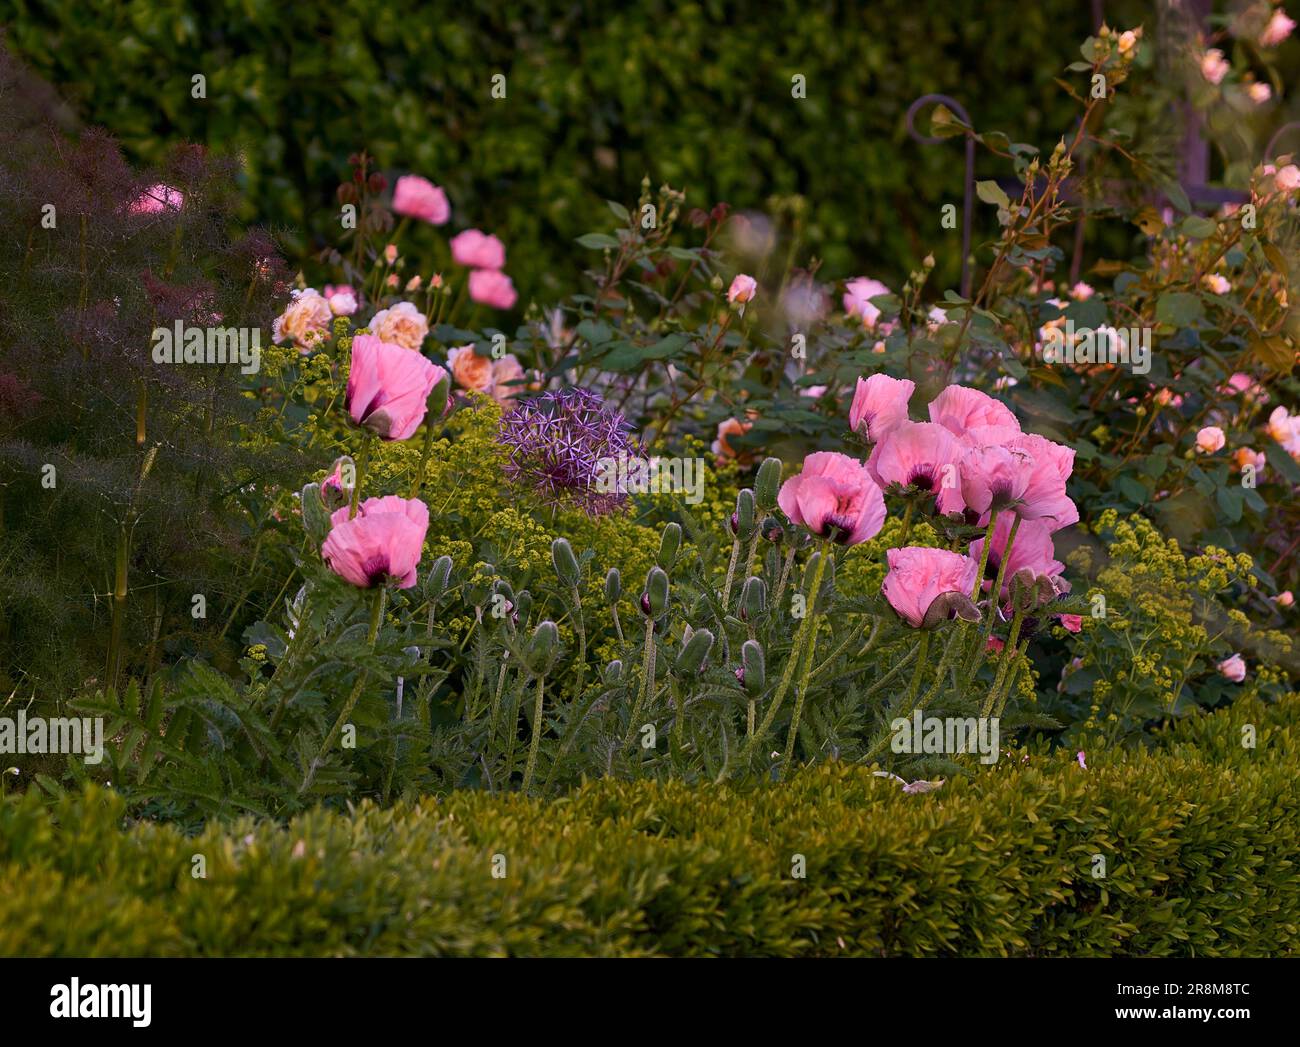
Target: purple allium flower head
[[571, 449]]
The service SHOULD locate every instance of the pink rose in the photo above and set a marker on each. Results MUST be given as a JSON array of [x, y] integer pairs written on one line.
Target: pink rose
[[1233, 668], [1213, 66], [1210, 439], [419, 198], [1278, 29], [492, 287], [834, 491], [742, 290], [857, 299], [917, 576], [477, 250]]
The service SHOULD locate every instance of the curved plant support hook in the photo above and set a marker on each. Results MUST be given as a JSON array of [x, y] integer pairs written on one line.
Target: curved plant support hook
[[1268, 149], [968, 199]]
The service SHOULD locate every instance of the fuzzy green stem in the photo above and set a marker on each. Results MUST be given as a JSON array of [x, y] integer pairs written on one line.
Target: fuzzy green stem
[[796, 650], [363, 461], [536, 742], [731, 575], [376, 619]]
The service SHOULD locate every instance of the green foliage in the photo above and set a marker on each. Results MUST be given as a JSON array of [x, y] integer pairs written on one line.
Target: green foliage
[[1198, 837], [1159, 623], [694, 94]]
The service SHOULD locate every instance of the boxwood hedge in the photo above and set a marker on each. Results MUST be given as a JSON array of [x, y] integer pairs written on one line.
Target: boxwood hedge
[[1186, 848]]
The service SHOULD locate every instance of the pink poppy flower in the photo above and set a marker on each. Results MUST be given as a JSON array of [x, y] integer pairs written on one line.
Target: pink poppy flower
[[478, 250], [959, 408], [918, 576], [1233, 668], [381, 545], [419, 198], [834, 491], [1284, 598], [879, 404], [492, 287], [923, 456], [857, 299], [1071, 622], [993, 476], [1032, 549], [1044, 497], [388, 387]]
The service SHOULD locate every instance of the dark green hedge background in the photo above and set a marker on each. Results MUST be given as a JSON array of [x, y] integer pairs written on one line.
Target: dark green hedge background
[[695, 94]]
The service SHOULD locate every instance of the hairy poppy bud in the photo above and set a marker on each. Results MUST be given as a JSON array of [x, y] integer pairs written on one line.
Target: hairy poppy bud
[[656, 586], [753, 599], [613, 672], [436, 581], [694, 650], [744, 516], [541, 647], [753, 672], [566, 564], [772, 530], [669, 545], [613, 586], [315, 517], [437, 402], [767, 483]]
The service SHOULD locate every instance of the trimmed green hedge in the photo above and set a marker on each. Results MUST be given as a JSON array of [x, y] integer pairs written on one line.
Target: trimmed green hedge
[[1200, 838]]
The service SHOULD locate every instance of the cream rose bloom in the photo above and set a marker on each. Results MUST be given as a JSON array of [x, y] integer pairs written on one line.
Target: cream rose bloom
[[305, 321], [401, 324], [504, 371], [470, 370]]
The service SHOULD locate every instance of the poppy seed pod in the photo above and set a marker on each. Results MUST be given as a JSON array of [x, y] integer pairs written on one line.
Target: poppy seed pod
[[613, 586], [744, 526], [566, 564], [669, 545], [767, 484], [541, 646], [753, 599], [752, 667], [690, 660], [315, 518], [436, 581], [656, 593]]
